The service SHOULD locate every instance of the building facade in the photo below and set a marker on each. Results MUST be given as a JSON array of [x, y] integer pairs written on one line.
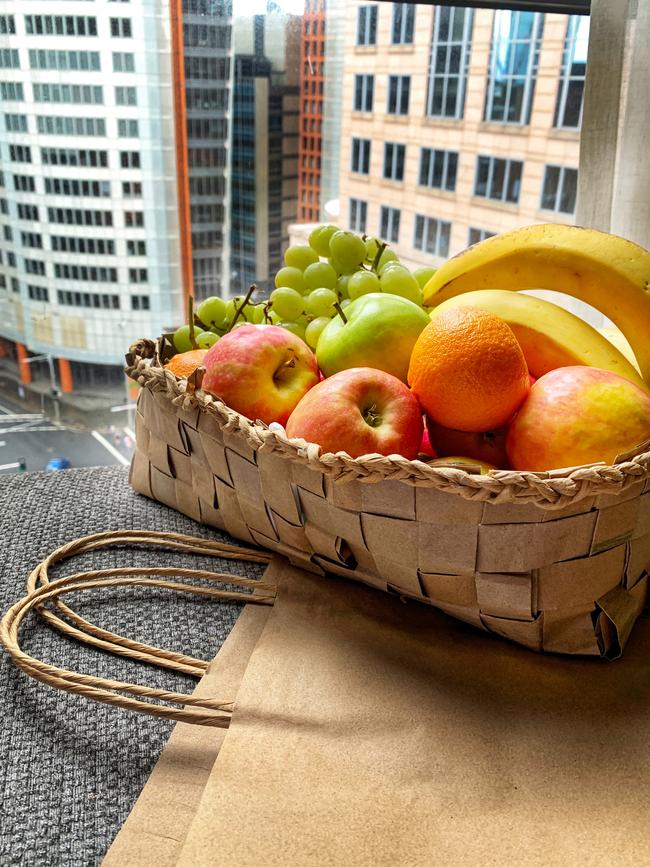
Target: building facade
[[312, 92], [458, 123]]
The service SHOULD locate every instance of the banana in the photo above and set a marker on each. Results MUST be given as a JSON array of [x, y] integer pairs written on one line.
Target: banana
[[603, 270], [549, 335]]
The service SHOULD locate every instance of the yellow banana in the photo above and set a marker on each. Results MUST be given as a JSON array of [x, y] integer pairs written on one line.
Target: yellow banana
[[603, 270], [549, 335], [618, 339]]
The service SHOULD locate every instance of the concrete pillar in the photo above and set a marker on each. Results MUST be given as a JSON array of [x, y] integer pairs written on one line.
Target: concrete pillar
[[24, 369], [65, 376]]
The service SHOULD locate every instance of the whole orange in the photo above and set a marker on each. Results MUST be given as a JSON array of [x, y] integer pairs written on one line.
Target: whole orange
[[185, 363], [468, 371]]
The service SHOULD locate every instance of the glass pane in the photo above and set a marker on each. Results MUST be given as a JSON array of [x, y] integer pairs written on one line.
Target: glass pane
[[514, 182], [482, 174], [425, 157], [498, 177], [452, 168], [573, 104], [443, 239], [438, 166], [549, 193], [569, 190]]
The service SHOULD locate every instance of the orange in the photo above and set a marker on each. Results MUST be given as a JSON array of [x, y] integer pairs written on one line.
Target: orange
[[468, 371], [185, 363]]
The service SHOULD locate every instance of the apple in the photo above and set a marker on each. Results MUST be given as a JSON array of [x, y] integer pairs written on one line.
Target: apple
[[360, 411], [261, 371], [380, 332], [577, 415], [488, 447], [425, 446]]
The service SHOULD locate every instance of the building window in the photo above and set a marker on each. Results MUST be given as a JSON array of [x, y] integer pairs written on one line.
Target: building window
[[127, 128], [28, 212], [64, 60], [75, 187], [399, 87], [78, 217], [126, 96], [72, 126], [88, 299], [367, 25], [476, 235], [130, 159], [76, 94], [133, 218], [123, 61], [431, 236], [139, 302], [449, 63], [438, 169], [31, 239], [514, 55], [360, 156], [34, 266], [20, 153], [389, 224], [394, 155], [568, 111], [74, 244], [16, 122], [136, 248], [11, 91], [60, 25], [24, 183], [560, 189], [121, 27], [7, 232], [358, 215], [498, 179], [38, 293], [132, 189], [7, 25], [87, 273], [138, 275], [364, 86], [403, 23], [9, 58], [71, 157]]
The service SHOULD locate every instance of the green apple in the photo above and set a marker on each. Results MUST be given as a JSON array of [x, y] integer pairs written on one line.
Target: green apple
[[380, 332]]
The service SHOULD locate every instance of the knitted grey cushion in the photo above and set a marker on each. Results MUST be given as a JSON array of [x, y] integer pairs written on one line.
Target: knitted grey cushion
[[71, 769]]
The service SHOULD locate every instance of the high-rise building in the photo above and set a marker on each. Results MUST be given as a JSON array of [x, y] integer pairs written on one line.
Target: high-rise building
[[113, 142], [458, 123], [312, 90]]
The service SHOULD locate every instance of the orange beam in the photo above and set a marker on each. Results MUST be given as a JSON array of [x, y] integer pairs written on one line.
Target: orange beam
[[23, 368], [180, 125], [65, 375]]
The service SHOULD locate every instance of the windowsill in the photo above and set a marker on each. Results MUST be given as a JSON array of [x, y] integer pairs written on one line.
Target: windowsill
[[396, 118], [391, 182], [401, 48], [437, 191], [366, 49], [443, 121], [522, 129], [555, 216], [357, 176], [494, 203], [362, 115], [565, 133]]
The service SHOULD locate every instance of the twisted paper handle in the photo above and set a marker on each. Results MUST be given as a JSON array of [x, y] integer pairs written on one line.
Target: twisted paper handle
[[40, 590]]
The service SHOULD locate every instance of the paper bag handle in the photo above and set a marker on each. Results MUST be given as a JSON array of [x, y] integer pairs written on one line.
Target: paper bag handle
[[197, 710]]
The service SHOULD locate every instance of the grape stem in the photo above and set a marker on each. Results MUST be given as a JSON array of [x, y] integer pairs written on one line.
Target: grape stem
[[265, 310], [238, 310], [381, 246], [190, 305], [339, 310]]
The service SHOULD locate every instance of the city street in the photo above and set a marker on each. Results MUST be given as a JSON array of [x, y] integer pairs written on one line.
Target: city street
[[36, 439]]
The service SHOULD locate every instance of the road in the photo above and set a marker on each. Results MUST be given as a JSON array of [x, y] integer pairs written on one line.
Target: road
[[35, 439]]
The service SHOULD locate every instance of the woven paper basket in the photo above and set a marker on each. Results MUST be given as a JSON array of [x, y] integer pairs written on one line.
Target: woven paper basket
[[557, 561]]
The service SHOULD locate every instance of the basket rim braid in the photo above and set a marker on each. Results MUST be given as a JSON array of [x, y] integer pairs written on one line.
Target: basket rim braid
[[554, 489]]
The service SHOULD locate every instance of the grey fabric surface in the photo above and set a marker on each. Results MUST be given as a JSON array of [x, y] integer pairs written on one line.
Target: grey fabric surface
[[71, 769]]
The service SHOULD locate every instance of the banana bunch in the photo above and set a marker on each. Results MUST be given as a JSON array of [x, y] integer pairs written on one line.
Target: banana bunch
[[608, 272]]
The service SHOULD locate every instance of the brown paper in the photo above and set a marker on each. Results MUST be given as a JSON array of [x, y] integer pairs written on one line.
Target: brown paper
[[375, 733], [156, 827]]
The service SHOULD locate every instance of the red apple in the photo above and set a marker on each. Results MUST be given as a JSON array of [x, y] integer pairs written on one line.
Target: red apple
[[577, 415], [360, 411], [488, 447], [261, 371], [425, 446]]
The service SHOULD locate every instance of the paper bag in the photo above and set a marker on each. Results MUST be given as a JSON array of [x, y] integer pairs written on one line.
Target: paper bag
[[372, 732]]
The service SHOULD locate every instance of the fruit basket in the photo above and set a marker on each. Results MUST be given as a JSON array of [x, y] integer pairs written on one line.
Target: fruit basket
[[555, 561]]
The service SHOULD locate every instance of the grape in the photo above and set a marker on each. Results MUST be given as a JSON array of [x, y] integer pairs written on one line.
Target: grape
[[181, 338], [320, 302], [294, 328], [348, 249], [254, 313], [300, 256], [212, 312], [340, 268], [387, 256], [345, 303], [319, 239], [320, 275], [314, 329], [206, 339], [371, 249], [231, 308], [423, 275], [342, 285], [275, 318], [363, 282], [400, 281], [291, 277], [287, 303]]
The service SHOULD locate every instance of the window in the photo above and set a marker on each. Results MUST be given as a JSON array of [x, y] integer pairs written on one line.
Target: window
[[514, 55], [123, 61], [133, 218], [15, 285], [403, 23], [139, 302], [364, 86], [132, 189], [394, 155], [448, 66], [7, 24], [85, 272], [138, 275], [389, 224], [34, 266], [38, 293], [11, 91], [73, 126], [398, 94], [24, 183], [130, 159], [360, 156], [137, 248], [31, 239], [27, 212], [127, 128], [208, 186], [206, 158], [78, 217], [568, 111], [438, 169], [9, 58], [358, 215], [7, 232], [70, 157], [20, 153], [560, 188], [78, 94], [60, 25], [88, 299], [94, 246], [367, 25], [75, 187], [431, 236], [209, 98], [207, 68], [64, 60], [16, 122], [11, 259], [125, 96], [476, 235], [206, 36], [121, 27], [498, 179]]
